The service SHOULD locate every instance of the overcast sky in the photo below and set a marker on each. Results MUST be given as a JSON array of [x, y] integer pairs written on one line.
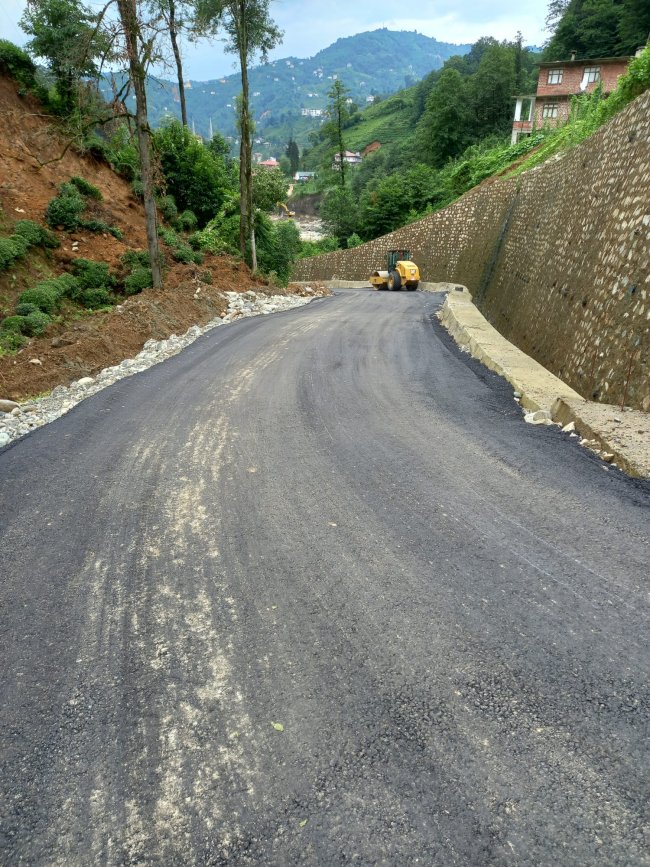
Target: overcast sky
[[310, 25]]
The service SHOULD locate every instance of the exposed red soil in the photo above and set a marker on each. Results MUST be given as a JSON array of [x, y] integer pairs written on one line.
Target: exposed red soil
[[78, 348]]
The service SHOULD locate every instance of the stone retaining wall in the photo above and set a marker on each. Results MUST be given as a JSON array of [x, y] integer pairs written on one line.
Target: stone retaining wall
[[558, 259]]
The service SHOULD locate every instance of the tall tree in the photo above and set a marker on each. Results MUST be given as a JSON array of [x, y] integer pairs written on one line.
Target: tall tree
[[169, 9], [173, 12], [250, 31], [136, 53], [491, 89], [70, 37], [596, 28], [444, 129], [293, 155], [337, 111]]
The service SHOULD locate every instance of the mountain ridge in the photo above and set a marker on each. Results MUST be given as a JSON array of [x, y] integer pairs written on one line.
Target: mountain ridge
[[372, 63]]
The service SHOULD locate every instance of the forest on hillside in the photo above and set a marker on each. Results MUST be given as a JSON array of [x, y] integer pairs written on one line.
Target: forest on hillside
[[452, 130]]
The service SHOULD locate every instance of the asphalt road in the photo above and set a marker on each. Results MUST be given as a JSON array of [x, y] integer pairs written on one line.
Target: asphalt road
[[312, 592]]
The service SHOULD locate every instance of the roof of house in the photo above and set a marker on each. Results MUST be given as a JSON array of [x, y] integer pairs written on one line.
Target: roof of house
[[589, 61], [272, 163]]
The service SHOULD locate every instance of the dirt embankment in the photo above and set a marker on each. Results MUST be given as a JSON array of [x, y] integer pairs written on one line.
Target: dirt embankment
[[29, 177]]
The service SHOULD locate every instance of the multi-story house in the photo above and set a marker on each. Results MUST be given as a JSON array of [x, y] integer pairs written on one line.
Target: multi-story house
[[558, 82]]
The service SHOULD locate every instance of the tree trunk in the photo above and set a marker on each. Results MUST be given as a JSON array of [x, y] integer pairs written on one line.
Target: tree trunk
[[244, 148], [177, 57], [128, 15]]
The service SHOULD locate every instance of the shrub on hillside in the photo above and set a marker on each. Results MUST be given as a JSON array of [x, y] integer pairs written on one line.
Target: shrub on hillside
[[101, 226], [66, 209], [187, 221], [13, 323], [168, 209], [86, 188], [17, 63], [36, 235], [10, 341], [93, 299], [92, 275], [42, 296], [140, 279], [135, 259], [97, 147], [47, 294], [8, 253], [198, 178], [65, 286], [24, 309], [277, 246], [36, 323]]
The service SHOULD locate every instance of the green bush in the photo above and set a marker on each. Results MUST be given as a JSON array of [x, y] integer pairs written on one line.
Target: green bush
[[183, 254], [97, 147], [168, 209], [123, 153], [198, 178], [86, 188], [277, 246], [10, 341], [65, 286], [24, 309], [137, 188], [95, 298], [195, 240], [36, 323], [43, 296], [206, 277], [66, 209], [21, 244], [187, 221], [92, 275], [101, 226], [135, 259], [13, 323], [46, 295], [30, 231], [17, 63], [8, 253], [140, 279], [35, 235]]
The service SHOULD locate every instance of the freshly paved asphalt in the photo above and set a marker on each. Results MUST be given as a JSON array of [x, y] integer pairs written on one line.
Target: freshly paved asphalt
[[333, 521]]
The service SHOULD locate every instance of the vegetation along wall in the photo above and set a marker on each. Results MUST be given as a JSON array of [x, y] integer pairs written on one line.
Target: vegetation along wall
[[557, 258]]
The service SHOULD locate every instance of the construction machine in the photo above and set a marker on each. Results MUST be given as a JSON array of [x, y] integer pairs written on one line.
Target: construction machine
[[284, 211], [401, 273]]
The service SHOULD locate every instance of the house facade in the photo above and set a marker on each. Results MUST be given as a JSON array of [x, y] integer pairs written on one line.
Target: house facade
[[350, 158], [557, 83]]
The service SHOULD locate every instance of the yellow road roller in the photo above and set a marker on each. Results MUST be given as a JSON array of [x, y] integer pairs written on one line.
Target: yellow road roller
[[401, 273]]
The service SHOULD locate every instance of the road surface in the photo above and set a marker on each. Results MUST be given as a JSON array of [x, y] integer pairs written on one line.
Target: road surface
[[312, 592]]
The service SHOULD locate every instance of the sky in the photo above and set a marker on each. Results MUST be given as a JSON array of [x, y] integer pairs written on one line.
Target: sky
[[310, 25]]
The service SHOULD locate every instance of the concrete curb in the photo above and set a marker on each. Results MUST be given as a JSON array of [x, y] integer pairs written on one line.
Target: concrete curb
[[620, 437]]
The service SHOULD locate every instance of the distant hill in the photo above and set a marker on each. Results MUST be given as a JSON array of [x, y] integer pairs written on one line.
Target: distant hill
[[378, 62]]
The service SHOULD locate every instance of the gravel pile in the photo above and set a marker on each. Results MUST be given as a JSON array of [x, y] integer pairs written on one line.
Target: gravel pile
[[16, 420]]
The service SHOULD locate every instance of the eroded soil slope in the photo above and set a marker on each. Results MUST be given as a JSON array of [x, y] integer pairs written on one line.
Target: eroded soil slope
[[33, 163]]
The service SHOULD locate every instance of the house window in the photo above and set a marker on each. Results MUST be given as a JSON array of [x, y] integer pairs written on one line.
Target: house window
[[555, 76], [592, 73], [549, 109]]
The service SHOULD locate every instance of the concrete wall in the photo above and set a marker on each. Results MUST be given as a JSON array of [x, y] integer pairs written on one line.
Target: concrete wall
[[558, 259]]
